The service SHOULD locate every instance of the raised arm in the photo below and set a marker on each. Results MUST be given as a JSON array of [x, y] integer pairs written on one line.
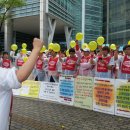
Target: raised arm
[[26, 69]]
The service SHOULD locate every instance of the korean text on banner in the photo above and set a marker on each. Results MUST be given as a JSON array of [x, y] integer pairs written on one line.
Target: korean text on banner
[[122, 105], [104, 95], [66, 90], [30, 89], [49, 91], [83, 92]]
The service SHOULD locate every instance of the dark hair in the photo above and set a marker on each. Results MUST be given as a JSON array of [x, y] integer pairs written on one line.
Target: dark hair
[[106, 48], [4, 53], [71, 50], [125, 47]]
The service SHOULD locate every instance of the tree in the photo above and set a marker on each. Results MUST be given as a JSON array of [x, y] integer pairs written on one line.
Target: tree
[[6, 6]]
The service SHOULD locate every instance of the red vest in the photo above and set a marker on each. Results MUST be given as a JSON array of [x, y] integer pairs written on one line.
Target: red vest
[[125, 68], [52, 63], [6, 63], [85, 59], [70, 63], [20, 62], [102, 67], [39, 64]]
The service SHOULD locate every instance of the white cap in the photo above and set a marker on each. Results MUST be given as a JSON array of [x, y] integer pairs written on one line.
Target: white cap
[[29, 53], [86, 49]]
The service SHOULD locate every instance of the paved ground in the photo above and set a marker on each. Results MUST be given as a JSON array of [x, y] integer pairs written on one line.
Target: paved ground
[[31, 114]]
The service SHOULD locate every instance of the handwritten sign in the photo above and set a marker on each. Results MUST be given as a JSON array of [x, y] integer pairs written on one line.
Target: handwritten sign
[[103, 95], [30, 89], [122, 105], [66, 90], [83, 92], [49, 91]]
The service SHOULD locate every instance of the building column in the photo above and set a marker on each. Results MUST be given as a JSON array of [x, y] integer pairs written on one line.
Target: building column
[[68, 32], [52, 26], [44, 21], [83, 19], [8, 34]]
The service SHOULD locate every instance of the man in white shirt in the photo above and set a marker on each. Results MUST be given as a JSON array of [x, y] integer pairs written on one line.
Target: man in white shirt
[[11, 79], [124, 64]]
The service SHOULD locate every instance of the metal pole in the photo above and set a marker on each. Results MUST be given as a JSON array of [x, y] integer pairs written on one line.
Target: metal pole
[[83, 19], [107, 22]]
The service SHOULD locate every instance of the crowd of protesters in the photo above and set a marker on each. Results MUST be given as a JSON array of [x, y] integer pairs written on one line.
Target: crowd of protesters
[[103, 62]]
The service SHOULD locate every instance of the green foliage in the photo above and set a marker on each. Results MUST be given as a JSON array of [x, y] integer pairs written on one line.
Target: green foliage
[[6, 6], [11, 3]]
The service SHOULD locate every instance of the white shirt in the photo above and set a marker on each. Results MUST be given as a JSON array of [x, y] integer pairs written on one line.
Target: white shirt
[[8, 81]]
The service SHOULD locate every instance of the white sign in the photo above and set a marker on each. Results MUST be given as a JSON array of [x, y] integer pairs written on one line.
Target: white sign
[[49, 91]]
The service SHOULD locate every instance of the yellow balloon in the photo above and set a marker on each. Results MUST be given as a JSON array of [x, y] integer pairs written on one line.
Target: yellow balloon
[[25, 59], [113, 46], [79, 36], [43, 49], [84, 45], [67, 53], [50, 46], [24, 45], [56, 47], [128, 42], [14, 47], [72, 43], [100, 40], [92, 45], [24, 51]]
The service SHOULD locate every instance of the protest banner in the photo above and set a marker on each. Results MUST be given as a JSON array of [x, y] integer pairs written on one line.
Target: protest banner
[[49, 91], [30, 89], [104, 95], [83, 92], [16, 92], [122, 104], [66, 90]]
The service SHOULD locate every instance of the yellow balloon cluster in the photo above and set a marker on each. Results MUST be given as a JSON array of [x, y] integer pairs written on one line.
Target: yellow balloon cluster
[[24, 45], [100, 40], [92, 45], [56, 47], [79, 36], [50, 46], [84, 45], [43, 49], [72, 43], [24, 51], [113, 46], [14, 47], [128, 42]]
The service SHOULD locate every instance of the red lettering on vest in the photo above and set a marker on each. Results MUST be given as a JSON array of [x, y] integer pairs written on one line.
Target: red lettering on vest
[[71, 63], [20, 62], [102, 66], [6, 63], [52, 63], [39, 64], [125, 68]]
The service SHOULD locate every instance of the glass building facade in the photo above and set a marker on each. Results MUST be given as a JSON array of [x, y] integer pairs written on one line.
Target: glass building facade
[[93, 19], [118, 22]]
